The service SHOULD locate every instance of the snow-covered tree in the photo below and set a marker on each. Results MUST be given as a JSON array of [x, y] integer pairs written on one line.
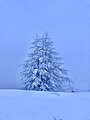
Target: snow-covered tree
[[42, 70]]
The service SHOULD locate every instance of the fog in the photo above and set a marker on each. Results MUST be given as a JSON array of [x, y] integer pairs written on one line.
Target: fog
[[66, 21]]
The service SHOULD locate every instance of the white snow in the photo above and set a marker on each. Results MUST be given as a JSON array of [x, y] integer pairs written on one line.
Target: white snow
[[30, 105]]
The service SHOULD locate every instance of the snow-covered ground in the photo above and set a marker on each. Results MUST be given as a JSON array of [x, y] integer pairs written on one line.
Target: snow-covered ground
[[27, 105]]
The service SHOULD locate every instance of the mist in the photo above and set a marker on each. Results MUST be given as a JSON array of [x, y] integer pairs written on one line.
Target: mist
[[68, 24]]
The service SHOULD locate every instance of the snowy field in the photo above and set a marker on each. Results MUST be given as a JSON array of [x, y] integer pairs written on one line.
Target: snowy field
[[26, 105]]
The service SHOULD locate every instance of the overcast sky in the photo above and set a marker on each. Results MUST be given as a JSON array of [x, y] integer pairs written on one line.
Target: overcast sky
[[67, 22]]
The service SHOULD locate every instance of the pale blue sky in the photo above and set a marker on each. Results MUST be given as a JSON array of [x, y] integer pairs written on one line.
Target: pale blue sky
[[67, 22]]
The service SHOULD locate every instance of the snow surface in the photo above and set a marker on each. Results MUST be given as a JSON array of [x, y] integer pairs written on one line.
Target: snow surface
[[30, 105]]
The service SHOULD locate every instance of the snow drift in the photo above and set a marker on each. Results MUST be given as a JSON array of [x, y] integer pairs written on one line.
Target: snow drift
[[30, 105]]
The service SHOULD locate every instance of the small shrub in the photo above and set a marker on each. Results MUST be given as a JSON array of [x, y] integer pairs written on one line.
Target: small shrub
[[57, 119]]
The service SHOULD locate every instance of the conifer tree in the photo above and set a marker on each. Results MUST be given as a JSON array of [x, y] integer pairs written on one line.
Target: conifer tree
[[42, 70]]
